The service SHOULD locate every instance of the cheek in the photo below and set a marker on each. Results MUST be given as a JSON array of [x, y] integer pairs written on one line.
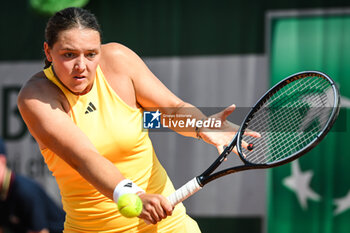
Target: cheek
[[62, 69], [64, 65], [92, 66]]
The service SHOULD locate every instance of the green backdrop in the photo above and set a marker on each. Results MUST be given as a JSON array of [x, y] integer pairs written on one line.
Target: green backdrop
[[320, 201]]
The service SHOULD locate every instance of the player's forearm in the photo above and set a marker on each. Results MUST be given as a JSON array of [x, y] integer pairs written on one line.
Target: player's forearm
[[189, 115]]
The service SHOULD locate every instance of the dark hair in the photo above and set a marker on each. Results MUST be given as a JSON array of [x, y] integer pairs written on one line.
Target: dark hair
[[67, 19]]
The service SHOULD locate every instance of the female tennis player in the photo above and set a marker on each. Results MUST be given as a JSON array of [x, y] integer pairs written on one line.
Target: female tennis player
[[85, 111]]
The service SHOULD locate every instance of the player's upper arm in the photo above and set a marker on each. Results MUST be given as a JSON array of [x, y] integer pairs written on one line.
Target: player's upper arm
[[150, 91], [40, 104]]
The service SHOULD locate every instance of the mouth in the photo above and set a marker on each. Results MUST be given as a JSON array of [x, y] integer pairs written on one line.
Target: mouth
[[79, 77]]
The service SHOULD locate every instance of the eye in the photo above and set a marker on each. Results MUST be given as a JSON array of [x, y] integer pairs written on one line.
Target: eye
[[68, 55], [91, 55]]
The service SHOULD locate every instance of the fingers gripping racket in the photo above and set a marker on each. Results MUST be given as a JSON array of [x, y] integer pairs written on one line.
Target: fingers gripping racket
[[292, 118]]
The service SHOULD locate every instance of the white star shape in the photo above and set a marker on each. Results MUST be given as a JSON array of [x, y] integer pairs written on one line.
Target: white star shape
[[299, 182], [156, 115], [342, 204]]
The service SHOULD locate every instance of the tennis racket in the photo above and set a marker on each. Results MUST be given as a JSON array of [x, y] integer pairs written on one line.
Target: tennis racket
[[292, 118]]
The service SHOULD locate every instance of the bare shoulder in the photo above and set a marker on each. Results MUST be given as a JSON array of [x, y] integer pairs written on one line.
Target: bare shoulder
[[119, 69], [115, 50], [119, 58], [129, 70], [38, 90]]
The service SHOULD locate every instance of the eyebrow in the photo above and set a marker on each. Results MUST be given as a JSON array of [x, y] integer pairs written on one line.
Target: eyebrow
[[70, 49]]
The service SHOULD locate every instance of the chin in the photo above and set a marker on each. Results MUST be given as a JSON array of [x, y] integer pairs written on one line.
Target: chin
[[81, 91]]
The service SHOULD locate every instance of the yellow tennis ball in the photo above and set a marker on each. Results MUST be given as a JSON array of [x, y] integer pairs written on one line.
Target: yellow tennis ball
[[130, 205]]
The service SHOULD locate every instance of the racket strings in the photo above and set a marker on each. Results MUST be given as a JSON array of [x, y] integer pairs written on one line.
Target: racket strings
[[282, 102], [285, 113], [290, 112], [289, 148], [289, 120], [285, 147], [283, 96]]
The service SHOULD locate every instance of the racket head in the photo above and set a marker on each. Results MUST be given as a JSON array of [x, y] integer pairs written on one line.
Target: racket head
[[292, 118]]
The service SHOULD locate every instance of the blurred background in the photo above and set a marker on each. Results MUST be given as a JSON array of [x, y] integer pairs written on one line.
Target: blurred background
[[211, 54]]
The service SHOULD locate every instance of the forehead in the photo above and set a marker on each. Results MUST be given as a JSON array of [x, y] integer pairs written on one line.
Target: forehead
[[79, 39]]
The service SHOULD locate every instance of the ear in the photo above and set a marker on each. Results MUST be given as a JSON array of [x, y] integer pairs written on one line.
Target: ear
[[47, 51]]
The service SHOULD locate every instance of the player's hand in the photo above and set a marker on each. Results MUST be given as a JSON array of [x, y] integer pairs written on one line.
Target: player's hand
[[155, 208], [221, 137]]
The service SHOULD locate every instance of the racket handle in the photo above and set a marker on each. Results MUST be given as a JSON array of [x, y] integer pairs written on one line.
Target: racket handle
[[184, 192]]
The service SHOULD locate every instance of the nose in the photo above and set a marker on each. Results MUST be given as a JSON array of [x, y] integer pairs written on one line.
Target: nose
[[80, 64]]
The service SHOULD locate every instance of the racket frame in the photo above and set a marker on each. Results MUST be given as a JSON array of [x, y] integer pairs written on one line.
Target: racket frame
[[208, 175], [198, 182]]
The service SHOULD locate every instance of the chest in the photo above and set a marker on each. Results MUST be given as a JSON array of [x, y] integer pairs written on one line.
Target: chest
[[113, 127], [112, 123]]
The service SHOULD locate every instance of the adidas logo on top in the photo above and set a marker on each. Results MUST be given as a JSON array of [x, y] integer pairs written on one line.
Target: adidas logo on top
[[90, 108], [129, 185]]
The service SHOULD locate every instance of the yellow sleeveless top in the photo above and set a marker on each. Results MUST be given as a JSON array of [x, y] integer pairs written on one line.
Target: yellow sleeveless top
[[116, 131]]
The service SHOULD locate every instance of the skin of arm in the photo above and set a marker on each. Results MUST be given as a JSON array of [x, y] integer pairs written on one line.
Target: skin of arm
[[149, 92], [45, 110], [145, 89]]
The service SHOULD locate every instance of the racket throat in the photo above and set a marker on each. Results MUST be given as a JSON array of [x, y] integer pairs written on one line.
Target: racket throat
[[217, 162], [200, 180]]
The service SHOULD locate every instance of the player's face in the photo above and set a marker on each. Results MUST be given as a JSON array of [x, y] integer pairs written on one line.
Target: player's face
[[75, 57]]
